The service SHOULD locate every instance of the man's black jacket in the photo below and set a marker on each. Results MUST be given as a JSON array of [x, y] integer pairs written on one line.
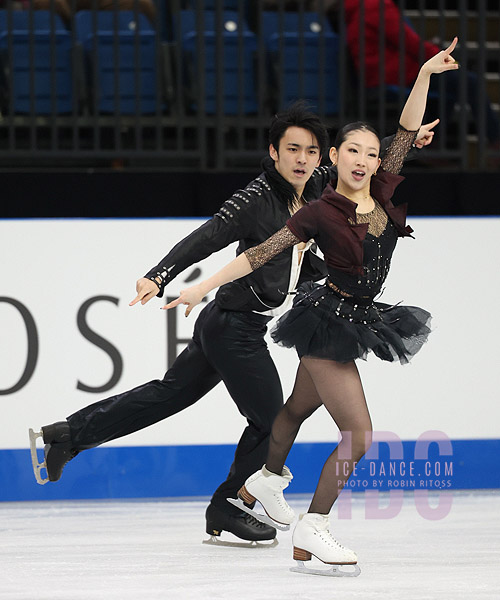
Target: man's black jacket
[[250, 216]]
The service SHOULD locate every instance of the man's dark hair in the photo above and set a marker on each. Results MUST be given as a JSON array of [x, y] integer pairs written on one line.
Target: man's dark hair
[[342, 134], [298, 115]]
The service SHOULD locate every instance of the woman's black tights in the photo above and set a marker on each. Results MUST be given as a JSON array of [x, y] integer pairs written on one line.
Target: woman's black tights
[[338, 387]]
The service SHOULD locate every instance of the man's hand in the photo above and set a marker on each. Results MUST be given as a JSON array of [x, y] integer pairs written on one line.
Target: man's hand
[[146, 289], [425, 134]]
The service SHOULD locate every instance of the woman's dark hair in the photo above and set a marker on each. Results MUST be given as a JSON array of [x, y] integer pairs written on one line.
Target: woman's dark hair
[[342, 134], [298, 115]]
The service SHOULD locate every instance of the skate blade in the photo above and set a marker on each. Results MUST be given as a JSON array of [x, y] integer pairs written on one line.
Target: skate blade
[[216, 541], [37, 466], [334, 571], [262, 518]]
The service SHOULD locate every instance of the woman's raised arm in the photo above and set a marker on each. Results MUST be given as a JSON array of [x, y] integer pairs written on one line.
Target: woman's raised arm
[[414, 108]]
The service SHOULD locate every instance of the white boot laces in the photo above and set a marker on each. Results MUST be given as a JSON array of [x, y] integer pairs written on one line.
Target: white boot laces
[[326, 536], [282, 502]]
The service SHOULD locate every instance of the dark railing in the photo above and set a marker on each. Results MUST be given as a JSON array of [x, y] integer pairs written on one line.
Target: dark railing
[[196, 88]]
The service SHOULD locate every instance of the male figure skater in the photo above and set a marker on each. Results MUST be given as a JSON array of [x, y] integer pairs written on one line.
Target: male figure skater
[[228, 341]]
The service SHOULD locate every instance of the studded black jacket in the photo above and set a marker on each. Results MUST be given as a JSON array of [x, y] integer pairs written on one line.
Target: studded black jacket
[[249, 217]]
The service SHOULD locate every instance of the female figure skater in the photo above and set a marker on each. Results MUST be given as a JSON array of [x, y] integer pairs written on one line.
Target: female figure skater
[[356, 226]]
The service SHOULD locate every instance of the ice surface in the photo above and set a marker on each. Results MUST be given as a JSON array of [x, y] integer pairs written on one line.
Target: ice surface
[[150, 550]]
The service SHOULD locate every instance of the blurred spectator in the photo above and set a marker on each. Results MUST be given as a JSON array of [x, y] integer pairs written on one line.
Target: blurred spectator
[[416, 51], [412, 57], [392, 24]]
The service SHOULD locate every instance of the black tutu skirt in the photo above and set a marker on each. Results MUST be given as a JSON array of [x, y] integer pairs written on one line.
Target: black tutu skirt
[[324, 324]]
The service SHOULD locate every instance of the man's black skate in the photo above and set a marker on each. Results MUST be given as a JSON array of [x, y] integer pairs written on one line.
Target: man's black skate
[[57, 451], [239, 523]]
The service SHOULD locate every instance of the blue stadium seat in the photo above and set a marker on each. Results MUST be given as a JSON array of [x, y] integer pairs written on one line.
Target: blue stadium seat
[[42, 37], [122, 59], [304, 52], [237, 78], [20, 19], [213, 4]]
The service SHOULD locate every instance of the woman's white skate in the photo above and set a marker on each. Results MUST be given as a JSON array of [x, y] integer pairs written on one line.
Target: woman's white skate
[[259, 516], [312, 537], [267, 488], [333, 571]]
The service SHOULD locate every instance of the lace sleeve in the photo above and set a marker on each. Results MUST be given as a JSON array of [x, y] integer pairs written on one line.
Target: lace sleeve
[[397, 151], [261, 254]]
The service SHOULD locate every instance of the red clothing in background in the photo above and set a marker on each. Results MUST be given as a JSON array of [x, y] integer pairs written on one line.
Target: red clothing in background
[[392, 18]]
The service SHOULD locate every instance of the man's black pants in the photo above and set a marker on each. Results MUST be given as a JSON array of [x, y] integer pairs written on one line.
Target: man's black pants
[[226, 346]]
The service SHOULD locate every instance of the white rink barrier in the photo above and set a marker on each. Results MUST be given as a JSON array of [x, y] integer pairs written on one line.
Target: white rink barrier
[[69, 338]]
